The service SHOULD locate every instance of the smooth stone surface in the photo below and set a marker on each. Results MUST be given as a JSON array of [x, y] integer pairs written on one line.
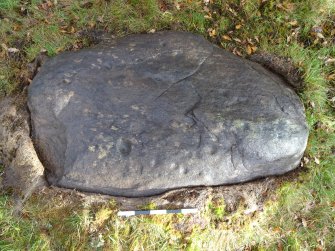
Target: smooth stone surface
[[150, 113]]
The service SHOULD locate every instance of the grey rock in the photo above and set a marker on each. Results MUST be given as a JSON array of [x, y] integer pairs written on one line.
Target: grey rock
[[149, 113]]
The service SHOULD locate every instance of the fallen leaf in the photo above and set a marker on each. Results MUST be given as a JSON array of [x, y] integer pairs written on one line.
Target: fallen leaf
[[317, 161], [250, 41], [86, 4], [206, 9], [331, 76], [306, 160], [16, 27], [293, 23], [100, 19], [91, 24], [237, 52], [237, 40], [13, 50], [254, 48], [177, 5], [319, 35], [277, 230], [280, 246], [225, 37], [152, 31], [237, 27], [211, 32], [47, 21], [289, 7], [317, 29], [4, 46], [249, 49]]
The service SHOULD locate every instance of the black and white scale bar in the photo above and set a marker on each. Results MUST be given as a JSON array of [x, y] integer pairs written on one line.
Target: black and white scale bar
[[153, 212]]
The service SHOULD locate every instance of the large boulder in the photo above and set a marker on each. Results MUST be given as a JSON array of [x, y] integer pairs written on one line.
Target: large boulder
[[148, 113]]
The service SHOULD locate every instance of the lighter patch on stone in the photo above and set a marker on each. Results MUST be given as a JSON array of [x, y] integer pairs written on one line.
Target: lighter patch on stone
[[67, 81], [78, 61], [102, 153], [135, 107], [100, 115], [176, 52], [94, 66], [183, 170], [91, 148], [62, 101]]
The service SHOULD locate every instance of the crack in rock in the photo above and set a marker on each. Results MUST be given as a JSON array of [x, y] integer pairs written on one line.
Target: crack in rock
[[187, 76]]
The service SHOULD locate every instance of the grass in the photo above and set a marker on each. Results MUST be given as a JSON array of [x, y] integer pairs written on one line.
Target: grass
[[299, 216]]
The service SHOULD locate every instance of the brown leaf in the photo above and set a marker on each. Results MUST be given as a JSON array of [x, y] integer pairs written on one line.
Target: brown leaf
[[226, 37], [86, 4], [319, 35], [206, 9], [306, 160], [237, 52], [254, 48], [211, 32], [237, 27], [249, 49], [237, 40], [16, 27], [250, 41], [293, 23], [177, 5], [100, 19], [4, 46], [331, 77]]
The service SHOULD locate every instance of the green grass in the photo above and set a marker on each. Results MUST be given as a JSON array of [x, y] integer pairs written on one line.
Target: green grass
[[299, 216]]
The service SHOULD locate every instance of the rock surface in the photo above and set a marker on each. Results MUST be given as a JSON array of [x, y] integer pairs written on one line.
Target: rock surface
[[150, 113]]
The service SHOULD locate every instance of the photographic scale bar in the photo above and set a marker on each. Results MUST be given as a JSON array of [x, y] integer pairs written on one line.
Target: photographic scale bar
[[156, 212]]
